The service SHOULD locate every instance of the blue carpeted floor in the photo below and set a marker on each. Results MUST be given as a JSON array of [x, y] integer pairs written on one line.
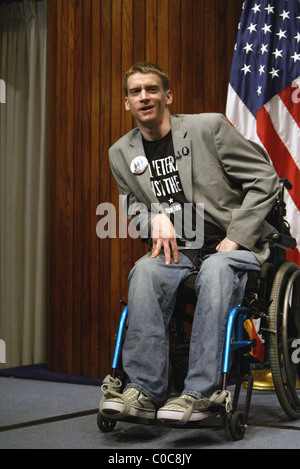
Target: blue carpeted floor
[[40, 414], [41, 373]]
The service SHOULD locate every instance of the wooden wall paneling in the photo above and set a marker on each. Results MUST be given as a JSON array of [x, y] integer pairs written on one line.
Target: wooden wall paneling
[[151, 31], [107, 245], [65, 156], [116, 131], [127, 49], [139, 28], [232, 22], [95, 311], [84, 237], [227, 16], [77, 194], [62, 351], [174, 52], [210, 70], [221, 78], [163, 34], [187, 57], [198, 56]]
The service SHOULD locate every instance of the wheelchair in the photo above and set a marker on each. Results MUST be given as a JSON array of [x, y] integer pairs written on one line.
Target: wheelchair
[[272, 300]]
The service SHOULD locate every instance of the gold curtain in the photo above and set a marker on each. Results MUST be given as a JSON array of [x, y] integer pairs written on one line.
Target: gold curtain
[[22, 173]]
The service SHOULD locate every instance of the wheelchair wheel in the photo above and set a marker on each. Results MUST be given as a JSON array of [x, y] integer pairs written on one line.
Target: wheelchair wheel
[[104, 424], [237, 425], [284, 323]]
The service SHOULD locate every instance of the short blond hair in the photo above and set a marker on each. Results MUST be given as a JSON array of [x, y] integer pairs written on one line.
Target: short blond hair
[[147, 67]]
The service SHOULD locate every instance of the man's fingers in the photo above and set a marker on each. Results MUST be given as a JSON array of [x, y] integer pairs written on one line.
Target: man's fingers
[[156, 248], [169, 246], [174, 248], [164, 236], [227, 245], [167, 252]]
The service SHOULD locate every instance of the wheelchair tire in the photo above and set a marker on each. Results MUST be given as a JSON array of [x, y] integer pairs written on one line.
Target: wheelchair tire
[[237, 425], [104, 424], [284, 323]]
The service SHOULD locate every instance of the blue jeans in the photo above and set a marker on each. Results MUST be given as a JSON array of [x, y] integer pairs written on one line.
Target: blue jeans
[[220, 285]]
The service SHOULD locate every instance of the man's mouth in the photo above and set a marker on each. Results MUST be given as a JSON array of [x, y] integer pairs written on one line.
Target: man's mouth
[[146, 108]]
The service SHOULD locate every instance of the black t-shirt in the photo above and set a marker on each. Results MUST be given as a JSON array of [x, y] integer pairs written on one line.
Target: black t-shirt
[[164, 176], [167, 187]]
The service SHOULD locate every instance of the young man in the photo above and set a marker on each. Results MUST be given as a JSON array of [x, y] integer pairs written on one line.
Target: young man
[[166, 164]]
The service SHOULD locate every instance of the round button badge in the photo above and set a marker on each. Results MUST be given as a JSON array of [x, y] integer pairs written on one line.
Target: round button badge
[[139, 165]]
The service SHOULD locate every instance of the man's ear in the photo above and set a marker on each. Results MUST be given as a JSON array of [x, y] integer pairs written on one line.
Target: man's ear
[[169, 97], [127, 105]]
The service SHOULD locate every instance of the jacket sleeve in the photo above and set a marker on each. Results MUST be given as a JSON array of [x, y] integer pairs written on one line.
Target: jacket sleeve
[[247, 166]]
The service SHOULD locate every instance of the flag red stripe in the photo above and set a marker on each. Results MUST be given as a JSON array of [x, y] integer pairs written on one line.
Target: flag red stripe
[[282, 160], [293, 256], [290, 96]]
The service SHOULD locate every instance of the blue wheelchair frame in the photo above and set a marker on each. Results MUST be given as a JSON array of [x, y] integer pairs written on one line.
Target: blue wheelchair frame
[[235, 344], [239, 313]]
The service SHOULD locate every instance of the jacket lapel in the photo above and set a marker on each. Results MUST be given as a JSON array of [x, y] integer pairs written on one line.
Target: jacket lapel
[[183, 155], [136, 148]]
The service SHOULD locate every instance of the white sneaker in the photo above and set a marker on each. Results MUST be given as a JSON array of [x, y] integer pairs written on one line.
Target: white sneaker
[[191, 409], [132, 402], [184, 409]]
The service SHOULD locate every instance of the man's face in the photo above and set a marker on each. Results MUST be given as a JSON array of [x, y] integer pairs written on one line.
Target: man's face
[[147, 100]]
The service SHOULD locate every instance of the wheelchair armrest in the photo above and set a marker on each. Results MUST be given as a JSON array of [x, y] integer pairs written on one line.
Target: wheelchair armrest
[[286, 183], [282, 241]]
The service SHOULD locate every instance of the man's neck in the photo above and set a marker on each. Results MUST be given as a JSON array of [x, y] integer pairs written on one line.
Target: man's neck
[[157, 132]]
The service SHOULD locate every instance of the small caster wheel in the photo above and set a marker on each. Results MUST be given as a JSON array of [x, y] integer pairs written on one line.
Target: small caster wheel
[[104, 424], [237, 426]]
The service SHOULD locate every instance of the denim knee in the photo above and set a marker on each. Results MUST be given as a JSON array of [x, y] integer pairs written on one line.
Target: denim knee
[[213, 269], [145, 270], [219, 267]]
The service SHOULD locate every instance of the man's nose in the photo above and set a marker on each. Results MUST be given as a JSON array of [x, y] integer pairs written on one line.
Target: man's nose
[[144, 95]]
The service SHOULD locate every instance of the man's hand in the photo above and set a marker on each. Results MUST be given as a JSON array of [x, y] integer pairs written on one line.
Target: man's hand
[[227, 245], [163, 235]]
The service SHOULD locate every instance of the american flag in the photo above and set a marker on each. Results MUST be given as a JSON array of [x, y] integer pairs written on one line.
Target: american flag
[[263, 100]]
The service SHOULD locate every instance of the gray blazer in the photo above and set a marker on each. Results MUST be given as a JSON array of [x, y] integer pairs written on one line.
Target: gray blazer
[[218, 167]]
